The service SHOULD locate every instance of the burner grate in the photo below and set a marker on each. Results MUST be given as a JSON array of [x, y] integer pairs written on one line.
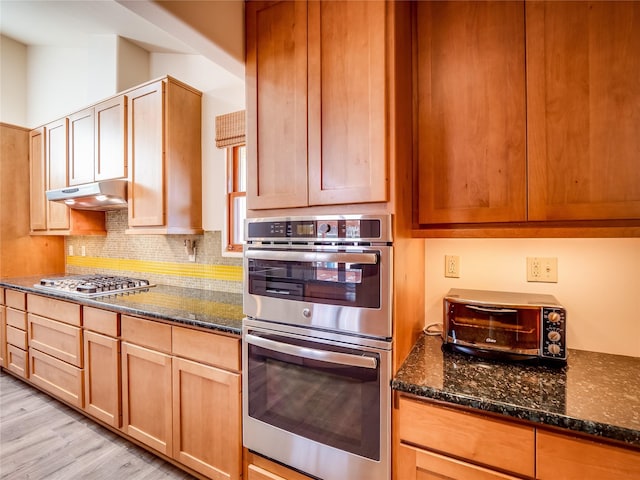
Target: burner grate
[[94, 285]]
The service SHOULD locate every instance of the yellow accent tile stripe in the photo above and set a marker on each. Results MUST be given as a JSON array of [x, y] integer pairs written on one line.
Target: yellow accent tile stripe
[[197, 270]]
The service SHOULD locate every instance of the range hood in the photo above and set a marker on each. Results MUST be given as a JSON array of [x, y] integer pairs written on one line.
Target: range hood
[[104, 195]]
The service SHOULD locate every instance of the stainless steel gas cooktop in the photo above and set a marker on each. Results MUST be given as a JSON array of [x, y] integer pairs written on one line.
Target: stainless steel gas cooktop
[[93, 285]]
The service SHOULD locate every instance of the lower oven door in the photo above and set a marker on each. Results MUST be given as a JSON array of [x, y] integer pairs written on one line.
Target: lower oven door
[[317, 405]]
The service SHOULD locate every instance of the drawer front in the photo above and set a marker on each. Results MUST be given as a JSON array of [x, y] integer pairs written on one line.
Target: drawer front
[[560, 456], [146, 333], [56, 377], [473, 437], [15, 299], [60, 310], [17, 337], [101, 321], [17, 318], [17, 361], [211, 348], [418, 464], [58, 339], [1, 296]]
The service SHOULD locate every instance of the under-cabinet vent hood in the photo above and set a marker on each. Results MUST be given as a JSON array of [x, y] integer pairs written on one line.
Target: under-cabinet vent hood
[[105, 195]]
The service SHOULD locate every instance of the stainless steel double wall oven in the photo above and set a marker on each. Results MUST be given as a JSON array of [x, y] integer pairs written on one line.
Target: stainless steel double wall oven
[[317, 344]]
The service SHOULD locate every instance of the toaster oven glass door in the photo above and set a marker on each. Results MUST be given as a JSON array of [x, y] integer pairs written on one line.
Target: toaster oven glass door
[[513, 330]]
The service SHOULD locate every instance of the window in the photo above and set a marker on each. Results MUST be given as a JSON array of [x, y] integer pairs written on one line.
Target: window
[[236, 196]]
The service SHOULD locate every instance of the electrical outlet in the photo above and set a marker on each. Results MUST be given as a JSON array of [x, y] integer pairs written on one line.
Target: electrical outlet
[[71, 250], [541, 269], [83, 251], [452, 266]]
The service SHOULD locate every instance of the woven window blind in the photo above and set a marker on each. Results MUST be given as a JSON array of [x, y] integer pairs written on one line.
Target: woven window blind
[[230, 129]]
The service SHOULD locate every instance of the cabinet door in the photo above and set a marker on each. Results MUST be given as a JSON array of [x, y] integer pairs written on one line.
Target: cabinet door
[[347, 102], [207, 419], [102, 377], [561, 456], [146, 156], [56, 158], [276, 75], [3, 334], [416, 464], [470, 92], [81, 149], [37, 180], [583, 116], [146, 396], [111, 139]]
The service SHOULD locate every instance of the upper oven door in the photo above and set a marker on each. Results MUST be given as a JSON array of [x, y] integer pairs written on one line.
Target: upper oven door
[[339, 288]]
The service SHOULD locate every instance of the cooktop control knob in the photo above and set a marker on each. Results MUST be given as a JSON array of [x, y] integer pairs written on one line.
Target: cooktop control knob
[[554, 317], [554, 336], [324, 228], [554, 349], [306, 312]]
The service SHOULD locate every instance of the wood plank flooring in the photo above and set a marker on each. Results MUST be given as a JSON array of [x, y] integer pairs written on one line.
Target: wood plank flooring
[[41, 438]]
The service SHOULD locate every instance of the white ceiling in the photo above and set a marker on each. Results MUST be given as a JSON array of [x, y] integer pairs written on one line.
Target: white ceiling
[[65, 23]]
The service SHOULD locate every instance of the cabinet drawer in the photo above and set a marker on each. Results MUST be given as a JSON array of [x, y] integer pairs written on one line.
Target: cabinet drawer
[[415, 463], [101, 321], [146, 333], [17, 319], [56, 377], [56, 309], [560, 456], [16, 299], [211, 348], [473, 437], [58, 339], [1, 296], [17, 337], [17, 361]]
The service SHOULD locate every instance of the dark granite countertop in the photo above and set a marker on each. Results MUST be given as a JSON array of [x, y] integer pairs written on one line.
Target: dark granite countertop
[[594, 393], [208, 309]]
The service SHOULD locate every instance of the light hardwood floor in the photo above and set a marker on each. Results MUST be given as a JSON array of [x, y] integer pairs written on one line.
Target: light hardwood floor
[[40, 438]]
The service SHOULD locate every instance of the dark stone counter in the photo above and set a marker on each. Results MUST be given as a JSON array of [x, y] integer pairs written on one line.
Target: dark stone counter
[[594, 393], [208, 309]]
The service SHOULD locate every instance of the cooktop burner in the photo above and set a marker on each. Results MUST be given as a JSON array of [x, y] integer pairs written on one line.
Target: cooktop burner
[[94, 285]]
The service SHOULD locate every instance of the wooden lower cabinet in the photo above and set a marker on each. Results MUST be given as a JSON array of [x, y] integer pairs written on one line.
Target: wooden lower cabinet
[[417, 464], [206, 419], [56, 377], [146, 397], [260, 468], [14, 329], [102, 378], [569, 458], [58, 339]]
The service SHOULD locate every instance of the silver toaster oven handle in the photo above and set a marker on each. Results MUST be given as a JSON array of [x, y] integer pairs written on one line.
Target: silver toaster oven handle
[[312, 353], [312, 256], [492, 310]]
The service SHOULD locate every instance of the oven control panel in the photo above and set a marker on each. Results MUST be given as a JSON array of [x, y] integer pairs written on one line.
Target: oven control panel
[[315, 229], [552, 337]]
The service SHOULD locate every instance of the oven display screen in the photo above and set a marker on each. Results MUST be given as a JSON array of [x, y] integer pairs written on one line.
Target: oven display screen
[[305, 229]]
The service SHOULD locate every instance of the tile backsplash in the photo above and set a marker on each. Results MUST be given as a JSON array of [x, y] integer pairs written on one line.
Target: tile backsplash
[[159, 258]]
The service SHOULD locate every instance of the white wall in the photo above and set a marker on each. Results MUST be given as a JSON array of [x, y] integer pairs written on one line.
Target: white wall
[[13, 82], [598, 283]]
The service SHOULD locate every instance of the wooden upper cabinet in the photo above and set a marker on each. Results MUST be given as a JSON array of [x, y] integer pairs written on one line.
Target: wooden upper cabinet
[[81, 147], [347, 102], [111, 139], [470, 89], [316, 103], [58, 216], [583, 115], [165, 158], [276, 76], [37, 180]]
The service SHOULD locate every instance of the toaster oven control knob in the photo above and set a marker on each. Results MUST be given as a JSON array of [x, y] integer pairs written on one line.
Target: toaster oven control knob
[[324, 228], [554, 349], [306, 313], [554, 336], [554, 317]]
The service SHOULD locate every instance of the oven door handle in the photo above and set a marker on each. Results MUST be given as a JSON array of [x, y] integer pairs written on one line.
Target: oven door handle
[[313, 354], [338, 257], [492, 310]]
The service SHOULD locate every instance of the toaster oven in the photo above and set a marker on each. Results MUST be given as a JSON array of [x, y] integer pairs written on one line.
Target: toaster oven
[[507, 325]]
